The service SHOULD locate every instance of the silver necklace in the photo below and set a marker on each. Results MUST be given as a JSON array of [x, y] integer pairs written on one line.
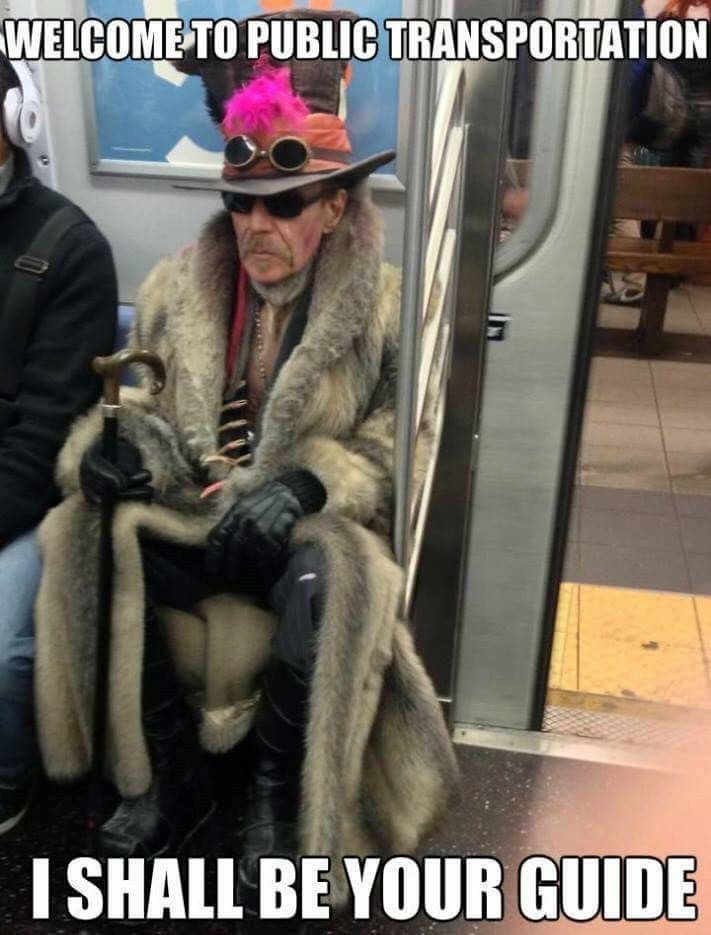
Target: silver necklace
[[260, 346]]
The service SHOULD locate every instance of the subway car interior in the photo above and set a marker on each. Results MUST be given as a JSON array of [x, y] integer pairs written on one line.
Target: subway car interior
[[554, 352]]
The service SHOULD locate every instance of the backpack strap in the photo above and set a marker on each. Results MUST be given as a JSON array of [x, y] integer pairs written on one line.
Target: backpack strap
[[21, 305]]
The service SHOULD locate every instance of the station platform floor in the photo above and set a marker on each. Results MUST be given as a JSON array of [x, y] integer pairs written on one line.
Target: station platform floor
[[634, 613]]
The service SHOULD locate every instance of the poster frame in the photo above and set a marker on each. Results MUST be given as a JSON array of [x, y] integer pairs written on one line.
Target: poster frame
[[100, 166]]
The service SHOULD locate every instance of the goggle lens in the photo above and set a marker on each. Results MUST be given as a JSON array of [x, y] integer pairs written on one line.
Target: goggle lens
[[289, 154], [240, 151]]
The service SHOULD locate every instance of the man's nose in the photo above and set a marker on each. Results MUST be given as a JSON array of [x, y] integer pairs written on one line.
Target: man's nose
[[259, 218]]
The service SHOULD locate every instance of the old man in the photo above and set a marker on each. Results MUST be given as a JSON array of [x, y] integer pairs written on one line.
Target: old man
[[251, 539]]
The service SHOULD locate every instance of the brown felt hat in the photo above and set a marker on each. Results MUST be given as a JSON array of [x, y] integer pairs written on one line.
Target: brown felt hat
[[309, 105]]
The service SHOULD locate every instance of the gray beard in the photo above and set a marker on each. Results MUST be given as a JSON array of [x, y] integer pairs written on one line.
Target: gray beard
[[279, 294]]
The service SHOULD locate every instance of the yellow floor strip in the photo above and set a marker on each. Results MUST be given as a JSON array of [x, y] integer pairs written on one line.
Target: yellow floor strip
[[565, 596], [563, 673], [625, 643]]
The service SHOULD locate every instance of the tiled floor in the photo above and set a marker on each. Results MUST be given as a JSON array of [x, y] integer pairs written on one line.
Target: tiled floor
[[641, 526], [643, 510], [688, 312]]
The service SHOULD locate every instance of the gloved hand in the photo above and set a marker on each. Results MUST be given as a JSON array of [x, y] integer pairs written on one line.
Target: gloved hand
[[248, 547], [126, 480]]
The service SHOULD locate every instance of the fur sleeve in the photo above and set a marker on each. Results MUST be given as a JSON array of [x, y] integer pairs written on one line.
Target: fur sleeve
[[357, 474]]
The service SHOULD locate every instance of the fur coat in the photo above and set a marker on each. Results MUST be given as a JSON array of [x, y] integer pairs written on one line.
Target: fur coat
[[379, 767]]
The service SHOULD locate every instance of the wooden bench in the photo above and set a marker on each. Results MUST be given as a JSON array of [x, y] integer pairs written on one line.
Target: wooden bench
[[669, 196]]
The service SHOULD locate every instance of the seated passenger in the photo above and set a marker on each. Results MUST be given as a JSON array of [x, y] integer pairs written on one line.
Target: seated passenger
[[271, 457], [52, 323]]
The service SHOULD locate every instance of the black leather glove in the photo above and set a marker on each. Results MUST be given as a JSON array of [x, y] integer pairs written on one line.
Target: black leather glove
[[249, 545], [126, 480]]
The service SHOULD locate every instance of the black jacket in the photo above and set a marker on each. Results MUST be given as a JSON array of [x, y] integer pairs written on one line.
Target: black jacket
[[75, 321]]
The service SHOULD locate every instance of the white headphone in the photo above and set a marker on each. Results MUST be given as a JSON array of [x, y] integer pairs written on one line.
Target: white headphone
[[22, 111]]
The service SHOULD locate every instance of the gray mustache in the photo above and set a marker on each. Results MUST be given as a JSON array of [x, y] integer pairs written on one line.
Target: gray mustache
[[250, 244]]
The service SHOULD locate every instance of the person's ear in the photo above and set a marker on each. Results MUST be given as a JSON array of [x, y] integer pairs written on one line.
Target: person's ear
[[335, 204]]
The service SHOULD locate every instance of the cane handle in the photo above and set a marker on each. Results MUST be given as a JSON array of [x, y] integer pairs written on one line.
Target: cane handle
[[110, 368]]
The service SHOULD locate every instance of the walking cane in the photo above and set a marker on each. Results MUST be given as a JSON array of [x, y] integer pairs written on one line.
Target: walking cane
[[110, 369]]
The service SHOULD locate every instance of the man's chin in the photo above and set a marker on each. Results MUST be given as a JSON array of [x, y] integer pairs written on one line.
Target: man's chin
[[266, 270]]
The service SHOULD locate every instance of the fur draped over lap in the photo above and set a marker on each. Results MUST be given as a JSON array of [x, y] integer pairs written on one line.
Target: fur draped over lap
[[379, 766]]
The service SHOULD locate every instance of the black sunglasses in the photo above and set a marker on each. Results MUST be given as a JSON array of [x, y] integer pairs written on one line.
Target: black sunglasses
[[286, 205]]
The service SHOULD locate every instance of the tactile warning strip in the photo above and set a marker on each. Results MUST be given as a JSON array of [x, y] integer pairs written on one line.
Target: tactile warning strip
[[626, 643]]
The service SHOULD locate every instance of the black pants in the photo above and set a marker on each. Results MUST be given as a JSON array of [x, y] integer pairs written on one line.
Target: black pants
[[175, 577]]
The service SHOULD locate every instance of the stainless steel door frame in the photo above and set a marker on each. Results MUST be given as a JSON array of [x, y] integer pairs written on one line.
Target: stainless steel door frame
[[532, 391], [436, 601]]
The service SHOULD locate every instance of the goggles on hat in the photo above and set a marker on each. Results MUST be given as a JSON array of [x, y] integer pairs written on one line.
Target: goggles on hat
[[287, 154], [285, 205]]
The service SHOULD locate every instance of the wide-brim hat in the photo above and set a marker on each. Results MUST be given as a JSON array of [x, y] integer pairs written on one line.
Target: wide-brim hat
[[266, 100]]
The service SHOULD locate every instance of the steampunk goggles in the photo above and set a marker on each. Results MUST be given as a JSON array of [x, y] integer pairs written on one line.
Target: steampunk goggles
[[287, 154]]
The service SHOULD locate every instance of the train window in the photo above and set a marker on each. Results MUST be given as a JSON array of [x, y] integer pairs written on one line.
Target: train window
[[537, 119], [515, 194]]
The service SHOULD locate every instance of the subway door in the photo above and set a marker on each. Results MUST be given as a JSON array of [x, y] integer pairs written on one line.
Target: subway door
[[547, 285]]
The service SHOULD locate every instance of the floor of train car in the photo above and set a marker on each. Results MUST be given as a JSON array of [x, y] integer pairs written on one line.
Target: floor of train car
[[514, 805], [633, 631]]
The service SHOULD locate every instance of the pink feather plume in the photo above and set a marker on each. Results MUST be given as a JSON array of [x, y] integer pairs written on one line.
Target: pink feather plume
[[265, 104]]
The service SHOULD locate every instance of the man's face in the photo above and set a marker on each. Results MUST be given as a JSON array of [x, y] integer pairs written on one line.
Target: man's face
[[273, 248]]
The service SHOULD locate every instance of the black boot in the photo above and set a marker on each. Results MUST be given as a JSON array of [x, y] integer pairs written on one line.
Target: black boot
[[270, 826], [179, 803]]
